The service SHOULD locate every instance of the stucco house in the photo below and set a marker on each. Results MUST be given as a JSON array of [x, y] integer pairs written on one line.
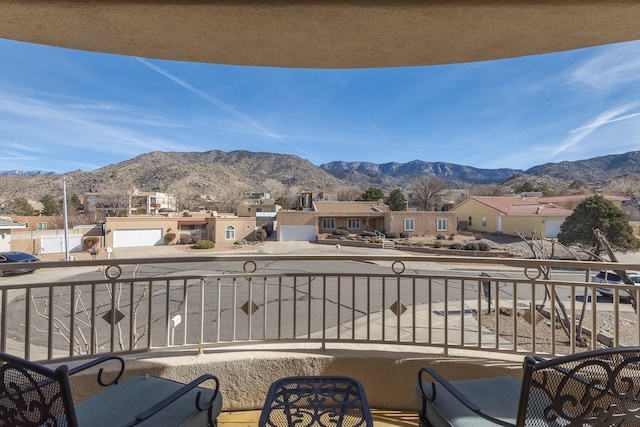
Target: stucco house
[[6, 225], [512, 215], [357, 217], [157, 230]]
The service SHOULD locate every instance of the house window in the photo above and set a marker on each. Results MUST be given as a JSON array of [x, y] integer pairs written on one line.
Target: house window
[[230, 232], [469, 221], [41, 226], [328, 223], [409, 224], [353, 223], [484, 221], [441, 224]]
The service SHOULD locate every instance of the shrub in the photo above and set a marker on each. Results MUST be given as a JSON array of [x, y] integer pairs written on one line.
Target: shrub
[[472, 246], [168, 238], [203, 244], [195, 239], [456, 246], [484, 246], [368, 234], [185, 239], [451, 237], [392, 235], [261, 234], [340, 232], [240, 242], [89, 243], [437, 244], [439, 237], [375, 240], [404, 235]]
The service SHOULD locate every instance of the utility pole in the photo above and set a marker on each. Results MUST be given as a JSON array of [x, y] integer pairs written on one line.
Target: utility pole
[[66, 220]]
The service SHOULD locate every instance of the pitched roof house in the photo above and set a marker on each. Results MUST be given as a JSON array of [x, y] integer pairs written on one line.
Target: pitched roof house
[[512, 215], [357, 217]]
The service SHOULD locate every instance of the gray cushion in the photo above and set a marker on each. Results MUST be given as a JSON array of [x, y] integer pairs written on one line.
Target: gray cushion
[[118, 405], [498, 397]]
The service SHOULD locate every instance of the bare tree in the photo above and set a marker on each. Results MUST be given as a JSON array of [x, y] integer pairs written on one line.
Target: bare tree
[[426, 189], [349, 193], [274, 187], [113, 199], [231, 198]]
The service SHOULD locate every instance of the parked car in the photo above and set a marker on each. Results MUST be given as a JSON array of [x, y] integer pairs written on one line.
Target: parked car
[[612, 278], [17, 257]]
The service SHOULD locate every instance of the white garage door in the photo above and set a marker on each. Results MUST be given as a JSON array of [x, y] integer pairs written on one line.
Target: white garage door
[[553, 228], [134, 238], [297, 233], [55, 245]]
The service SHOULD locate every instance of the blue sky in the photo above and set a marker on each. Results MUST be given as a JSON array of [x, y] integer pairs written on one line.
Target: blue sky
[[63, 110]]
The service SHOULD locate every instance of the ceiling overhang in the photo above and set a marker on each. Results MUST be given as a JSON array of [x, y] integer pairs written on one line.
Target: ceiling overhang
[[322, 33]]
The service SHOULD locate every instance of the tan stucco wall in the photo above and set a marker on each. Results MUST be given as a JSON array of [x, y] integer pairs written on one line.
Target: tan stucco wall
[[170, 225], [425, 222], [296, 218], [52, 222], [245, 228], [478, 211], [389, 377], [528, 225]]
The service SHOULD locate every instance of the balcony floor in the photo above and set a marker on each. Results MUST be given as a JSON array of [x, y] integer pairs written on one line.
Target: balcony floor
[[381, 417]]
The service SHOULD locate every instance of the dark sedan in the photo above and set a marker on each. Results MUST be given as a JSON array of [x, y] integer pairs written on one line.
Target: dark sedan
[[16, 257]]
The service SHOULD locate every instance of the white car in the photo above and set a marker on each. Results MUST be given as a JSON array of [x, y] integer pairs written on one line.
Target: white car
[[612, 278]]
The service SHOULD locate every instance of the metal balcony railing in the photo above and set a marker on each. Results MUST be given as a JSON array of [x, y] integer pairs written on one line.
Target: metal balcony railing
[[77, 309]]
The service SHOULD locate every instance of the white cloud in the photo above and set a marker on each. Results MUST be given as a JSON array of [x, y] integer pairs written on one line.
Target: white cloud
[[610, 67]]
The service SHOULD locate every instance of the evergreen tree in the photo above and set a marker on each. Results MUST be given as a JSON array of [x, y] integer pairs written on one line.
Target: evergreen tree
[[396, 200], [49, 205], [284, 201], [20, 206], [596, 212], [372, 194]]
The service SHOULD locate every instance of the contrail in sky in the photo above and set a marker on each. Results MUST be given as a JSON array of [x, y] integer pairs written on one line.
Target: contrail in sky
[[225, 107]]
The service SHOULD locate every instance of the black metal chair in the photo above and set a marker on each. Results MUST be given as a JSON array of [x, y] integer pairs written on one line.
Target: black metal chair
[[35, 395], [592, 388], [323, 401]]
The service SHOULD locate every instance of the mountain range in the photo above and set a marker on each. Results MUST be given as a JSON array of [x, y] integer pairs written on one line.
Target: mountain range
[[216, 172]]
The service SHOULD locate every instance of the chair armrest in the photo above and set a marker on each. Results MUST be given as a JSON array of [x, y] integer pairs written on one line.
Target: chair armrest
[[181, 392], [99, 361], [457, 394]]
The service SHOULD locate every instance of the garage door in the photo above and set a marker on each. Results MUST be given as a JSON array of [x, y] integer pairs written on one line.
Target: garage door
[[553, 228], [55, 245], [298, 233], [134, 238]]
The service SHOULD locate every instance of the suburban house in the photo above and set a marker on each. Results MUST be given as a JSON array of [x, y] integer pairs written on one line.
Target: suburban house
[[264, 211], [6, 225], [134, 202], [305, 199], [537, 216], [357, 217], [157, 230]]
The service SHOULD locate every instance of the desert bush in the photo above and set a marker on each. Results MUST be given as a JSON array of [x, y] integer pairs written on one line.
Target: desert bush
[[375, 240], [439, 237], [168, 238], [185, 239], [340, 232], [368, 234], [241, 242], [392, 235], [472, 246], [437, 244], [484, 246], [261, 234], [451, 237], [404, 235], [456, 246], [203, 244], [89, 243]]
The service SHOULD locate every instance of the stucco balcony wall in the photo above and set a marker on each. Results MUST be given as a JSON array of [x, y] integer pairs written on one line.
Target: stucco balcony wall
[[389, 377]]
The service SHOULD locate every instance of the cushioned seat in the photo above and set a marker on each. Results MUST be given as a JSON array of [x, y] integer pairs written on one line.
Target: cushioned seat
[[123, 402], [494, 395]]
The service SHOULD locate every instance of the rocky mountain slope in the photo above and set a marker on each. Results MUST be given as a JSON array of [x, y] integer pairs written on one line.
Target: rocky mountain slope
[[216, 172]]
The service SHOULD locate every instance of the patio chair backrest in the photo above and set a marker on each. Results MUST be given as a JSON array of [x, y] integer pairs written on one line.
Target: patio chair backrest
[[594, 388], [34, 395]]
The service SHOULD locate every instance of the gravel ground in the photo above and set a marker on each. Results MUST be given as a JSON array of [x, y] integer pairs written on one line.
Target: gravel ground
[[605, 320]]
